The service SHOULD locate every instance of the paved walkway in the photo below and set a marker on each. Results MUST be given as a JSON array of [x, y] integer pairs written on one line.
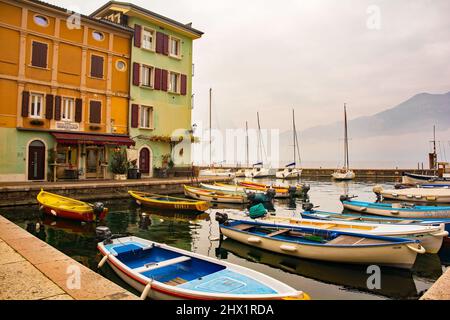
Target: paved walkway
[[30, 269], [440, 290]]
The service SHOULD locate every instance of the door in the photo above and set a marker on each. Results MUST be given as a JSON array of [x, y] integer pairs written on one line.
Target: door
[[36, 160], [144, 161], [93, 162]]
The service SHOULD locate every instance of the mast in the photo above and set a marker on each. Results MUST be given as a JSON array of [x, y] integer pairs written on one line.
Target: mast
[[259, 136], [346, 160], [296, 144], [210, 126], [246, 143], [293, 132]]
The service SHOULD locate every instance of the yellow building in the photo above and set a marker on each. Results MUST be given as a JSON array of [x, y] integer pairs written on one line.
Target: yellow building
[[64, 87]]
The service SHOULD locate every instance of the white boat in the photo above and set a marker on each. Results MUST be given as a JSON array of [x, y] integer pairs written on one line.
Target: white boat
[[216, 173], [260, 172], [214, 196], [240, 173], [229, 188], [431, 195], [414, 179], [336, 246], [431, 237], [291, 171], [345, 173], [163, 272]]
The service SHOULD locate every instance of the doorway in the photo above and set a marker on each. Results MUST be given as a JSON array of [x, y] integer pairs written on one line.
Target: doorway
[[94, 159], [36, 160], [144, 161]]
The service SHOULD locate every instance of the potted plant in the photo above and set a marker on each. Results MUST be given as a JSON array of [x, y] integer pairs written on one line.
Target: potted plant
[[133, 171], [119, 165]]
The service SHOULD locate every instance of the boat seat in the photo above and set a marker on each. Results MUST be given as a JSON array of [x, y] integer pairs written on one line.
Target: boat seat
[[351, 218], [327, 226], [350, 240], [175, 282], [278, 232], [162, 264], [243, 227]]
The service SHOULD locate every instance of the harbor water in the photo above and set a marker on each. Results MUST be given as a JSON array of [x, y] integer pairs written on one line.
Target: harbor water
[[200, 234]]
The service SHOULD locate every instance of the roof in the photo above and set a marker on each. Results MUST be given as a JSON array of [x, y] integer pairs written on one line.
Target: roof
[[103, 22], [185, 27]]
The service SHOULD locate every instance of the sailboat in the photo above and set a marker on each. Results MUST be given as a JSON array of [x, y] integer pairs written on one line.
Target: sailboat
[[345, 173], [291, 171], [259, 171], [211, 171], [241, 172]]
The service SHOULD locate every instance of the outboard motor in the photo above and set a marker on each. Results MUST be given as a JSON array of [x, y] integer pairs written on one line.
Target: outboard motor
[[344, 197], [270, 194], [104, 233], [221, 218], [292, 191], [307, 206], [98, 208]]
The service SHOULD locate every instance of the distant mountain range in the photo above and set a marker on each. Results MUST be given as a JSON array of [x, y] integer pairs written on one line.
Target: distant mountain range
[[418, 113]]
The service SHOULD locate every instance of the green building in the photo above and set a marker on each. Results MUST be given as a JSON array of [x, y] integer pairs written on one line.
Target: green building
[[161, 85]]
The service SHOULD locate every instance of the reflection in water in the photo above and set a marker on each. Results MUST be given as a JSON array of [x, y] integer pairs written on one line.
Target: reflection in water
[[199, 233]]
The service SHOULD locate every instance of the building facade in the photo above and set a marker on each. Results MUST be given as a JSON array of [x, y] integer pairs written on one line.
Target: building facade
[[64, 83], [160, 85]]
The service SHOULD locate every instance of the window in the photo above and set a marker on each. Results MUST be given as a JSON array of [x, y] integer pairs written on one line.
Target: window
[[174, 85], [67, 109], [121, 65], [39, 54], [95, 111], [97, 66], [41, 21], [97, 35], [36, 105], [146, 117], [147, 76], [148, 39], [174, 47]]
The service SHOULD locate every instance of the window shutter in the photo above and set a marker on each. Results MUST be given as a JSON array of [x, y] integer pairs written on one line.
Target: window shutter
[[25, 103], [183, 84], [159, 42], [96, 66], [49, 106], [137, 35], [157, 84], [78, 110], [136, 76], [95, 112], [58, 108], [166, 44], [134, 115], [164, 79], [39, 55]]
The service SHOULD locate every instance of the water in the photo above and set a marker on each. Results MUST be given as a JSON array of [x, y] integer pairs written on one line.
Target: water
[[322, 280]]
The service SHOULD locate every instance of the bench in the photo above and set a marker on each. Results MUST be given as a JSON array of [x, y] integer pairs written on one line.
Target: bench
[[162, 264], [276, 233]]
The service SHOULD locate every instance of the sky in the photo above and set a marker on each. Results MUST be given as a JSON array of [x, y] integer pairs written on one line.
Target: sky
[[312, 55]]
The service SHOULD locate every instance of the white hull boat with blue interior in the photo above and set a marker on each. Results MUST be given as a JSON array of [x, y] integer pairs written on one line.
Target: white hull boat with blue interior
[[163, 272], [430, 195], [430, 236], [335, 246]]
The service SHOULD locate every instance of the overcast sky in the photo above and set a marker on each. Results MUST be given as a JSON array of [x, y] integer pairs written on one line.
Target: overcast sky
[[313, 55]]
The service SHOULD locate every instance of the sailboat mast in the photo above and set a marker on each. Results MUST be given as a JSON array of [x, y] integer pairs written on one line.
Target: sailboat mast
[[259, 137], [210, 126], [346, 139], [246, 143], [293, 132]]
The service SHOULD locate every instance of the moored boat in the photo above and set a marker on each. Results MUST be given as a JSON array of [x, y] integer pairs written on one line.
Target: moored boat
[[289, 173], [168, 203], [214, 196], [431, 195], [414, 178], [68, 208], [216, 173], [431, 236], [279, 193], [345, 173], [300, 189], [163, 272], [336, 246]]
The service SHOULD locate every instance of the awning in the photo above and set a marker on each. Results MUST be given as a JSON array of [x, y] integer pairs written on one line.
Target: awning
[[76, 138]]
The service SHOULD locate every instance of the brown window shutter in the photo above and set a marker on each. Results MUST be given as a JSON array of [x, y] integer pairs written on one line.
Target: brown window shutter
[[49, 106], [164, 79], [137, 35], [78, 110], [166, 45], [157, 84], [136, 76], [183, 84], [96, 66], [159, 42], [58, 108], [95, 112], [134, 116], [39, 55], [25, 103]]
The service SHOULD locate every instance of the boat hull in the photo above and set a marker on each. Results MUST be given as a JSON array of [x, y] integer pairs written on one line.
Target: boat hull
[[187, 206], [394, 255], [349, 175], [424, 195], [289, 174], [411, 178], [212, 196]]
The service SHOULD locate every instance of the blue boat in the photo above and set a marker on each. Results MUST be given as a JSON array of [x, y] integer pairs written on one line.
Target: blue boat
[[163, 272]]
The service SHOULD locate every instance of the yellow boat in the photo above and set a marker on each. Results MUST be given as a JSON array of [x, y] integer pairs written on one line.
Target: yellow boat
[[214, 196], [168, 203], [64, 207]]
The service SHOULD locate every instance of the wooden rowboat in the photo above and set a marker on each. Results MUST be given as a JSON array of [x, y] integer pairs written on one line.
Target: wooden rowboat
[[168, 203], [63, 207], [301, 189], [214, 196], [431, 195], [336, 246], [430, 236], [163, 272]]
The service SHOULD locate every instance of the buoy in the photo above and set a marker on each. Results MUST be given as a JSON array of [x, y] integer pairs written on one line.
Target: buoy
[[254, 240], [285, 247]]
